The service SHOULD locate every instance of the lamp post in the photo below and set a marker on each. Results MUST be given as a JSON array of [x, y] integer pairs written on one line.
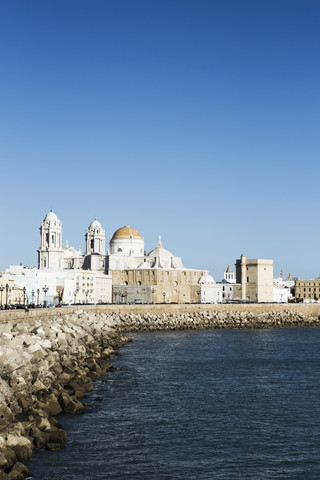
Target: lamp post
[[86, 294], [32, 296], [38, 296], [45, 289], [164, 297], [24, 295], [1, 290], [7, 291]]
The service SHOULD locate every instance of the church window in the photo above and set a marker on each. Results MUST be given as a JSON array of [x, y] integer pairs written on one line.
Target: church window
[[126, 283], [92, 243], [47, 238], [119, 249], [44, 262], [139, 283], [52, 239]]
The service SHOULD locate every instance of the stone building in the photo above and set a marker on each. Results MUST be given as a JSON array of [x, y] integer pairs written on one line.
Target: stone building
[[254, 279], [168, 281], [307, 289], [135, 276]]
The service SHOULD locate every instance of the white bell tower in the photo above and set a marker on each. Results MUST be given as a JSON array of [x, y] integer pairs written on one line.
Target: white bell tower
[[50, 251], [95, 256]]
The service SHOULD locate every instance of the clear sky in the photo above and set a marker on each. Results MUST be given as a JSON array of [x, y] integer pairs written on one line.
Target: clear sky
[[194, 119]]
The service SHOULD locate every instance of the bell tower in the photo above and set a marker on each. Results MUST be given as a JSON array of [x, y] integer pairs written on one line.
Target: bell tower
[[49, 253], [95, 256]]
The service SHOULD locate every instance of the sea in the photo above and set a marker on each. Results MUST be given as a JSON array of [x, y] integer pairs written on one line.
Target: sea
[[201, 404]]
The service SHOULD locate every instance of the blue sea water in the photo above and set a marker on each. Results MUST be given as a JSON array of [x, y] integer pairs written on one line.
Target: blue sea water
[[207, 404]]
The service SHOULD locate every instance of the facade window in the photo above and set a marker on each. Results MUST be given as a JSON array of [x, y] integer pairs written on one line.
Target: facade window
[[248, 279], [119, 249]]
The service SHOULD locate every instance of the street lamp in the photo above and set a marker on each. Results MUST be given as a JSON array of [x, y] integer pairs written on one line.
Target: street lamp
[[1, 290], [24, 295], [164, 297], [45, 289], [38, 295], [32, 296], [7, 291], [86, 294]]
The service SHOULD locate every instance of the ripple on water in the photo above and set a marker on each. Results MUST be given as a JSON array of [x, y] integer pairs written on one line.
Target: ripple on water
[[232, 404]]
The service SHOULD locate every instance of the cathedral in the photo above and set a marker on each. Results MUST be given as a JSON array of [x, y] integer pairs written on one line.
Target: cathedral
[[137, 276]]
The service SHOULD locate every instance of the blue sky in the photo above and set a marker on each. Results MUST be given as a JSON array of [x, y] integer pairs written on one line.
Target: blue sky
[[194, 119]]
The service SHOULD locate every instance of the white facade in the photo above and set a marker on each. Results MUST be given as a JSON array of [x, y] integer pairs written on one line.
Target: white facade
[[281, 294], [229, 275], [210, 291], [67, 286], [95, 256], [51, 255], [282, 289]]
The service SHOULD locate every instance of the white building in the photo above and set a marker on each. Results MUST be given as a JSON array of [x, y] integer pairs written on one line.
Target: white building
[[282, 289], [210, 291], [229, 275]]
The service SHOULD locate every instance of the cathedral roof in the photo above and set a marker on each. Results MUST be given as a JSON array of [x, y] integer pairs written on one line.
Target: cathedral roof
[[50, 217], [159, 251], [95, 224], [162, 258], [206, 279], [126, 232]]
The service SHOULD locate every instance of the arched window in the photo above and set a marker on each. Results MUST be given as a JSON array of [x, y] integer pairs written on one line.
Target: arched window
[[119, 249]]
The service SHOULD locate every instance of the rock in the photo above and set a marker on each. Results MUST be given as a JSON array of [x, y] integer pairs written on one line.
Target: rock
[[70, 404], [19, 470]]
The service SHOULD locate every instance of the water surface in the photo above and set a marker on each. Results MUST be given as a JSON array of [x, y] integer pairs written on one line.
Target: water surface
[[207, 404]]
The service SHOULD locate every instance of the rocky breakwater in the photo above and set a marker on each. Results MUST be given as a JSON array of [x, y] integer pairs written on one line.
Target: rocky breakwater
[[213, 319], [45, 366]]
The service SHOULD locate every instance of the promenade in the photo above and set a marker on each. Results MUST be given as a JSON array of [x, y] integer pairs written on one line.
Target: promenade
[[308, 309]]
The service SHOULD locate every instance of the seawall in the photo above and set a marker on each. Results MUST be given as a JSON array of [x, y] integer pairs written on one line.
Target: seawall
[[49, 358], [307, 309]]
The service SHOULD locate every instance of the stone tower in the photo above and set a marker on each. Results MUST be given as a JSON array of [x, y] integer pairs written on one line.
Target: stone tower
[[95, 255], [50, 251]]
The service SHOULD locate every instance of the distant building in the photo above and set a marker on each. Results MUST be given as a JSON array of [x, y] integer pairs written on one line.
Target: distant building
[[229, 276], [283, 290], [125, 273], [307, 289], [254, 279]]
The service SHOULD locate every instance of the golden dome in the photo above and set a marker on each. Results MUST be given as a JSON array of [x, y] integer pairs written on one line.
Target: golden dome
[[126, 232]]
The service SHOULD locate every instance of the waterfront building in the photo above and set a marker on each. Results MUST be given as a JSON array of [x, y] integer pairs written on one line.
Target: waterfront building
[[158, 276], [66, 275], [307, 290], [283, 290], [255, 280]]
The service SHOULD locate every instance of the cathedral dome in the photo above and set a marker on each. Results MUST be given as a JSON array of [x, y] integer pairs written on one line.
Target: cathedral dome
[[206, 279], [125, 233], [95, 224], [51, 217]]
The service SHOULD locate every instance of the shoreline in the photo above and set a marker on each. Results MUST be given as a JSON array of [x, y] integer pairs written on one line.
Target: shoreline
[[49, 361]]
